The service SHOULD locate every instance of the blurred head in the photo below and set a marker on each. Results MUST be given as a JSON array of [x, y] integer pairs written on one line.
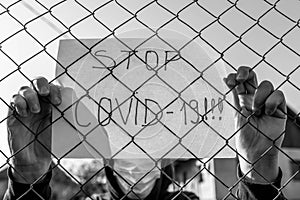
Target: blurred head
[[137, 176]]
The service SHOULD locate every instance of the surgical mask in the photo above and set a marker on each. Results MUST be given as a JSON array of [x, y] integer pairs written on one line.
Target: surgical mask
[[132, 171]]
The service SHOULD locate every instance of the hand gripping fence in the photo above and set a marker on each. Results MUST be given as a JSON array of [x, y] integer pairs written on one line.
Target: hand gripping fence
[[227, 27]]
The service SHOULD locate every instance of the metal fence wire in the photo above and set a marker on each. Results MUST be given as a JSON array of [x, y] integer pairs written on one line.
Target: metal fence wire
[[226, 27]]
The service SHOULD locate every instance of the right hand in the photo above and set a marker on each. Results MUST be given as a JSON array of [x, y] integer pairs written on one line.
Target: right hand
[[260, 123], [29, 129]]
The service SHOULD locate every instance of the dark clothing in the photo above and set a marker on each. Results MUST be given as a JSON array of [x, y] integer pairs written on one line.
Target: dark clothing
[[159, 191], [42, 190], [257, 191]]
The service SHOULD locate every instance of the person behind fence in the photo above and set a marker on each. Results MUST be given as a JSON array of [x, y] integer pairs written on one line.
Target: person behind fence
[[260, 123]]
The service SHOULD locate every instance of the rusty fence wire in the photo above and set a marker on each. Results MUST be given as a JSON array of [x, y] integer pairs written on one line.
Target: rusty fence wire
[[259, 32]]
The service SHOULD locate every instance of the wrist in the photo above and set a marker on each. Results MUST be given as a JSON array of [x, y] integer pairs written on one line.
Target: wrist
[[29, 173], [264, 170]]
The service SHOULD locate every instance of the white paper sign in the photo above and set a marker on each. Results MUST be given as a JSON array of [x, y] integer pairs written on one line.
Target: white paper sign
[[135, 98]]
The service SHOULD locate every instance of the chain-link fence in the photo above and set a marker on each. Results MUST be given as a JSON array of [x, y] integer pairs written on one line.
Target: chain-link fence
[[263, 35]]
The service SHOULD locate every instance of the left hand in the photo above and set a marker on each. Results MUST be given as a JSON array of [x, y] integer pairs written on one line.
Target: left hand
[[260, 122]]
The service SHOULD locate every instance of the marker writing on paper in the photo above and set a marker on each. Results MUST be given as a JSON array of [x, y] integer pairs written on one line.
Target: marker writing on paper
[[150, 58], [150, 112]]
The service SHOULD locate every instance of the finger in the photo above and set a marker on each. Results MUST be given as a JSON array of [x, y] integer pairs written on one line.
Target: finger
[[241, 76], [247, 79], [240, 88], [263, 91], [230, 81], [251, 83], [57, 83], [31, 98], [41, 85], [19, 103], [276, 105], [55, 94]]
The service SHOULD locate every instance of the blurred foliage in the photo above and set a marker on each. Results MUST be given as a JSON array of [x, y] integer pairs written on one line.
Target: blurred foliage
[[88, 175]]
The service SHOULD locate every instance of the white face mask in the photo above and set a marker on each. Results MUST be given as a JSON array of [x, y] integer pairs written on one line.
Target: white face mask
[[134, 169]]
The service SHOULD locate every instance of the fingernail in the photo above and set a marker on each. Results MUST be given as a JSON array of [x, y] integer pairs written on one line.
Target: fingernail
[[35, 108]]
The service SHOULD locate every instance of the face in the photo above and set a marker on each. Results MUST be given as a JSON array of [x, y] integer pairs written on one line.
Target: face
[[138, 172]]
